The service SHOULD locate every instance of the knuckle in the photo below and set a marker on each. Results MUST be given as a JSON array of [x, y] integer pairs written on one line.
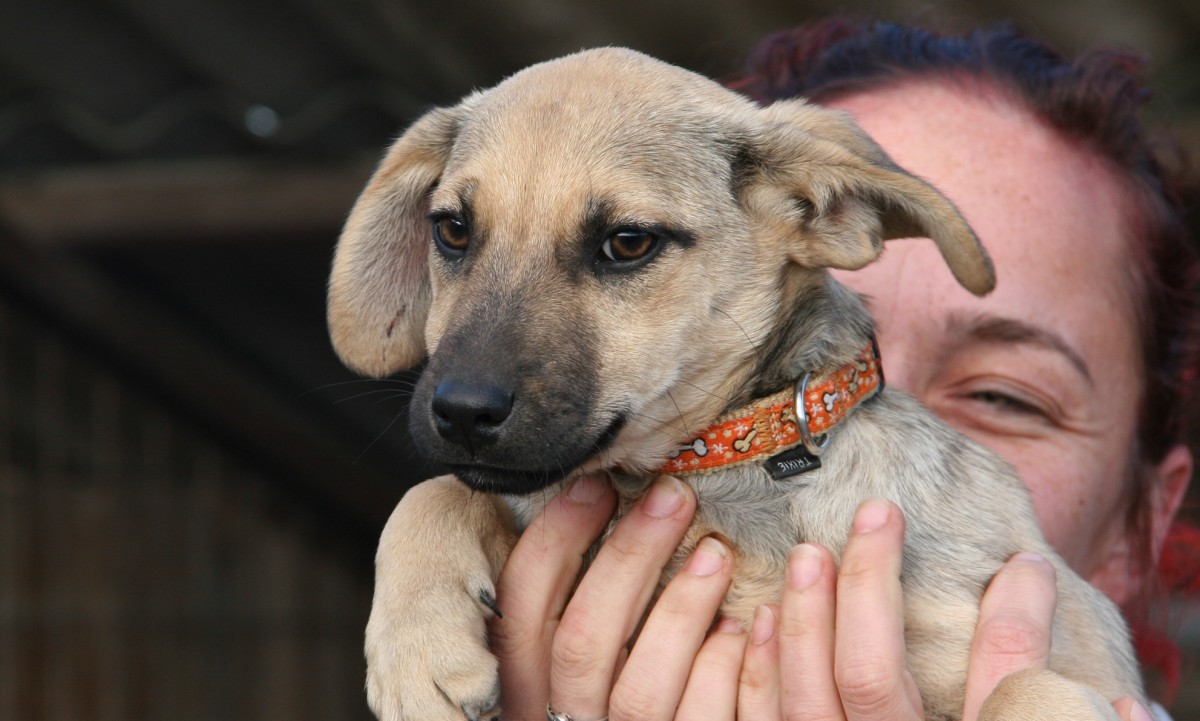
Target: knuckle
[[814, 711], [865, 570], [755, 679], [716, 664], [681, 610], [513, 636], [626, 550], [633, 702], [870, 686], [797, 631], [574, 652], [1011, 636]]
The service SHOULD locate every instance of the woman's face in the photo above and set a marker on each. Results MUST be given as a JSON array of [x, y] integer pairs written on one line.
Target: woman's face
[[1046, 369]]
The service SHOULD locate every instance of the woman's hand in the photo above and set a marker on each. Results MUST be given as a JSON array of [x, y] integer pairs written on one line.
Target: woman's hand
[[802, 664], [856, 671], [796, 662], [573, 658]]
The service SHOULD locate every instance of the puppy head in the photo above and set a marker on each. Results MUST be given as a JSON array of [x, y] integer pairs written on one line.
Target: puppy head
[[592, 252]]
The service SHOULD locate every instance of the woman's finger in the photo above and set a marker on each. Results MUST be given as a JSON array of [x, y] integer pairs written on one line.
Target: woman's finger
[[651, 682], [1013, 633], [869, 662], [712, 686], [612, 597], [533, 588], [809, 691], [759, 686], [1130, 710]]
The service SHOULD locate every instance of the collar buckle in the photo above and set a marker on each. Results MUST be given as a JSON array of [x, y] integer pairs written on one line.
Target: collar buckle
[[813, 444]]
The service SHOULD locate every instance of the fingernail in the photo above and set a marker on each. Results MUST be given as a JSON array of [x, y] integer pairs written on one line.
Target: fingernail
[[1139, 713], [587, 489], [1029, 557], [871, 515], [665, 498], [708, 557], [804, 567], [764, 625]]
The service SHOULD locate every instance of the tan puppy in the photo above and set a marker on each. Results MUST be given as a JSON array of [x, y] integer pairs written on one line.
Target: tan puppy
[[603, 257]]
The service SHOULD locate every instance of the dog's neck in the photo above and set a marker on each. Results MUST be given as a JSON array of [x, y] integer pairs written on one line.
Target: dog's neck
[[818, 326], [822, 326], [824, 333]]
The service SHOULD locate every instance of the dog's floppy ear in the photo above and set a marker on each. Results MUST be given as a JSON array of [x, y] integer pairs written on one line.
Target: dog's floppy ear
[[379, 291], [834, 196]]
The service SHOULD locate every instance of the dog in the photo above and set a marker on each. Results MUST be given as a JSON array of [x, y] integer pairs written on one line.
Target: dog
[[609, 262]]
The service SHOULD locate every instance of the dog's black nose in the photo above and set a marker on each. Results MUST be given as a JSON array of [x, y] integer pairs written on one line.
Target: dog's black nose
[[470, 414]]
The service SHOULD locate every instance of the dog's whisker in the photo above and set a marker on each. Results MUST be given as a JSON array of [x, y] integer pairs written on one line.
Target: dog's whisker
[[385, 400], [706, 392], [376, 439], [397, 395], [649, 421], [545, 491], [657, 424], [647, 418], [391, 393], [733, 320], [669, 433], [678, 410], [406, 383]]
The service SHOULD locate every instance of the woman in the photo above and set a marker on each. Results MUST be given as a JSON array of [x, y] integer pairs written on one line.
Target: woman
[[1077, 369]]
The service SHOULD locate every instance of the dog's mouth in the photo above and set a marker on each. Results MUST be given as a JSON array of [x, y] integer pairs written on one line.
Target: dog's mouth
[[523, 481], [505, 481]]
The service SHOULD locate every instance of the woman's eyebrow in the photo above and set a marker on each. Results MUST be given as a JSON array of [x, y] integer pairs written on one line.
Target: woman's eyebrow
[[1000, 329]]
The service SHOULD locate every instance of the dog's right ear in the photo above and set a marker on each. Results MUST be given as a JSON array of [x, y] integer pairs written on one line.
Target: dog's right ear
[[379, 290], [816, 181]]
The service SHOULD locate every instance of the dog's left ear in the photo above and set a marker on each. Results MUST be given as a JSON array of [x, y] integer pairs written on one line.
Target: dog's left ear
[[817, 181], [379, 291]]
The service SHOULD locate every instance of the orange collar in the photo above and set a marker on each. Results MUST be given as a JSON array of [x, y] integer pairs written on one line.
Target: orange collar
[[769, 427]]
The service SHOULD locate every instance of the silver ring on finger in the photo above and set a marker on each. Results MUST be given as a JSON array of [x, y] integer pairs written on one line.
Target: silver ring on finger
[[552, 715]]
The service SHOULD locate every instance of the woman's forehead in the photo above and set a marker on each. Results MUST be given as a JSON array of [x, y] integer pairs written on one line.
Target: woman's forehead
[[1051, 213]]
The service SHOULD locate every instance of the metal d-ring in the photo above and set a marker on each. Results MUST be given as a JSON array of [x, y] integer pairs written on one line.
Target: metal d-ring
[[806, 437]]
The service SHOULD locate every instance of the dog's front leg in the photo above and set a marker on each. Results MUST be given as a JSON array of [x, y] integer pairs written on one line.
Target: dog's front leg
[[435, 571]]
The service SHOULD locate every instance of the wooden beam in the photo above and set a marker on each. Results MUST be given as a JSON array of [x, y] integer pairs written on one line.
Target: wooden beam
[[158, 202]]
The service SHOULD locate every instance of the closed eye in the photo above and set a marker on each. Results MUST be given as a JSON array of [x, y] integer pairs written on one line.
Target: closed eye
[[1006, 403], [998, 408]]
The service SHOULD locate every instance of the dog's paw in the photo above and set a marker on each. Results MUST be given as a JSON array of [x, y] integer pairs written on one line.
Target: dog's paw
[[1041, 695], [427, 654], [426, 642]]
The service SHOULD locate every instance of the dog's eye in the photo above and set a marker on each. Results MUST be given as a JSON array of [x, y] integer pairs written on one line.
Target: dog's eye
[[451, 235], [628, 245]]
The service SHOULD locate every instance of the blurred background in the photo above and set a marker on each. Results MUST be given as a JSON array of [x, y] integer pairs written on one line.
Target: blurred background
[[190, 484]]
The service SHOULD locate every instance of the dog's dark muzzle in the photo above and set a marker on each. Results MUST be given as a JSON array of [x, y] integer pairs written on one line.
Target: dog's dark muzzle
[[508, 400], [503, 441]]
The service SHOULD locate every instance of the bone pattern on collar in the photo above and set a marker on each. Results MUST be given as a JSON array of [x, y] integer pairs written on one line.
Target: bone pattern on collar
[[769, 425]]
